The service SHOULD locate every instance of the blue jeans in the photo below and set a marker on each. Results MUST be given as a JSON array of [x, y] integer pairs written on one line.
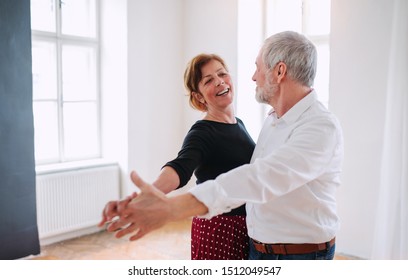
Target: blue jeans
[[327, 254]]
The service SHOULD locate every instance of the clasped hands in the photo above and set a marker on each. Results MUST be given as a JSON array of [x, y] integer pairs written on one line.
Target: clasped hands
[[139, 213]]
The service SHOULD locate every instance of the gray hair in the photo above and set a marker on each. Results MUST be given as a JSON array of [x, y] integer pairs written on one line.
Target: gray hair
[[296, 51]]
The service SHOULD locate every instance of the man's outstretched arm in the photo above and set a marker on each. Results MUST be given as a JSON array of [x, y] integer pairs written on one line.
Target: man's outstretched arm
[[152, 209]]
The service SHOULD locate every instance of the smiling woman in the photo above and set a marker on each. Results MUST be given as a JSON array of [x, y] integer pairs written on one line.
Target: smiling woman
[[214, 145], [209, 149], [215, 92]]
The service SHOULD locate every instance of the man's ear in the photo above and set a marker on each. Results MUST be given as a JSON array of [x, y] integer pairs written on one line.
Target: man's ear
[[281, 70]]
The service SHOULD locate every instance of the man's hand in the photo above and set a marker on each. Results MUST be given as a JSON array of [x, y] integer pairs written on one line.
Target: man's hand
[[114, 208], [148, 211]]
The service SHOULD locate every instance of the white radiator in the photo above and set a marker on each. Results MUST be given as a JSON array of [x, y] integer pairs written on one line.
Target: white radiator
[[70, 203]]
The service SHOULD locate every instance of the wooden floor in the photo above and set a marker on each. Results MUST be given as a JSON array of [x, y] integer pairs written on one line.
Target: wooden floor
[[172, 242]]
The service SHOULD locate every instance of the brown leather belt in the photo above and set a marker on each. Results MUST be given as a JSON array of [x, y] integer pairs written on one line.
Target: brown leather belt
[[291, 249]]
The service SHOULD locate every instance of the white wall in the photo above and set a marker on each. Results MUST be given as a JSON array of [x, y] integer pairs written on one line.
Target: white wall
[[155, 92], [360, 38], [114, 79], [210, 26], [162, 37], [250, 38]]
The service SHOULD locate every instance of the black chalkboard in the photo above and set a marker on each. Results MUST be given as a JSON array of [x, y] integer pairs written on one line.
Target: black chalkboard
[[18, 218]]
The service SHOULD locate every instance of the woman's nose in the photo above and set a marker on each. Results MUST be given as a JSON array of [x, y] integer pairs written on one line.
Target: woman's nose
[[219, 82]]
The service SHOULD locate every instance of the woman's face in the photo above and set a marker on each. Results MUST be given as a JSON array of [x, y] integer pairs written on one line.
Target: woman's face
[[216, 87]]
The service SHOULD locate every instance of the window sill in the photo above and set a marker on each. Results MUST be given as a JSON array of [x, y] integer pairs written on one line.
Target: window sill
[[72, 166]]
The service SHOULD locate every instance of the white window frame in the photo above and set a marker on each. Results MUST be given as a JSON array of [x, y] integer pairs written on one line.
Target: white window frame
[[60, 39]]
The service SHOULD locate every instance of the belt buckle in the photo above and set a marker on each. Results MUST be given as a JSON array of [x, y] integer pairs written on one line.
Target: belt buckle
[[268, 249], [275, 249]]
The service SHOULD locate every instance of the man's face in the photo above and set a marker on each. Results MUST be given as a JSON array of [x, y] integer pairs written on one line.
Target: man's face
[[265, 88]]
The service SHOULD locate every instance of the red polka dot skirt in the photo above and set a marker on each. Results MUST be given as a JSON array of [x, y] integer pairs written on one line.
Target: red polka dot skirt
[[220, 238]]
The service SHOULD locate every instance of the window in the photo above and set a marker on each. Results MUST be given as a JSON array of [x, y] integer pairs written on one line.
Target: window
[[66, 98]]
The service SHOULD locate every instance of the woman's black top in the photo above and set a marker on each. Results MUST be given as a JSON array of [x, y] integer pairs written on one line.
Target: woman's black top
[[211, 148]]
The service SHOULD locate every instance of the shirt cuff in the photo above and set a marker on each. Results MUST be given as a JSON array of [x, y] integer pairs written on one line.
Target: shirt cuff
[[213, 196]]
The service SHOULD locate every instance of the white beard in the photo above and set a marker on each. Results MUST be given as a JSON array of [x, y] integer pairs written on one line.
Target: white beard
[[260, 95], [266, 93]]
